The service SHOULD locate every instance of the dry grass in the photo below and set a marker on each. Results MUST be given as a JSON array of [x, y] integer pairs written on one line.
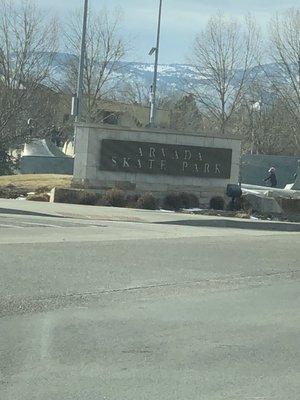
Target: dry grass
[[33, 182]]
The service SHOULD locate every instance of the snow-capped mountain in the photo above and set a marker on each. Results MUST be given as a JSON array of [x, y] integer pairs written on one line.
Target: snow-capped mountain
[[182, 77], [171, 77]]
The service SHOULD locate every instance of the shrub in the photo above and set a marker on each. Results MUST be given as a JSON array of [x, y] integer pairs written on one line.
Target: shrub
[[176, 201], [76, 196], [131, 200], [217, 203], [7, 162], [147, 202], [8, 192], [172, 201], [115, 198], [189, 200], [62, 195], [11, 186], [39, 197], [43, 189], [88, 198], [78, 185]]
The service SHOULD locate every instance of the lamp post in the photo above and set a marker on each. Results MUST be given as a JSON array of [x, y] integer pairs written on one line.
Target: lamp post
[[77, 99], [154, 85], [255, 108]]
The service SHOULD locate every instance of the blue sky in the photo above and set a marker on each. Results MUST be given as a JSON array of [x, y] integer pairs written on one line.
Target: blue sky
[[182, 19]]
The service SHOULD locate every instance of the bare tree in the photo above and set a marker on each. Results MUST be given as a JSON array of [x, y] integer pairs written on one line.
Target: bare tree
[[135, 92], [104, 51], [267, 129], [263, 121], [285, 52], [27, 46], [224, 55]]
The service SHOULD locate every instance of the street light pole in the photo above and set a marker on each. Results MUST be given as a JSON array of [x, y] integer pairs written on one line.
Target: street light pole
[[154, 85], [78, 99]]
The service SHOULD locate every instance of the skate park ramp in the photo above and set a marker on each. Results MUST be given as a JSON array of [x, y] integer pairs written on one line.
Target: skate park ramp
[[41, 156]]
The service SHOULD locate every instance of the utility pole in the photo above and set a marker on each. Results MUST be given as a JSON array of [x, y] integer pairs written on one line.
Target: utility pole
[[77, 100], [154, 85]]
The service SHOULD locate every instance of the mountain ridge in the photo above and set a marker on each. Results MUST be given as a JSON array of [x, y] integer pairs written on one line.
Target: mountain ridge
[[171, 77]]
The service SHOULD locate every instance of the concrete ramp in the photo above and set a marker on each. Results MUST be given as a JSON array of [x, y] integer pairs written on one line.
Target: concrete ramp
[[42, 148], [271, 192], [41, 156]]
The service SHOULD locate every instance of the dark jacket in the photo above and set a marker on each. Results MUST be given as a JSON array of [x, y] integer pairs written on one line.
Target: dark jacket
[[272, 178]]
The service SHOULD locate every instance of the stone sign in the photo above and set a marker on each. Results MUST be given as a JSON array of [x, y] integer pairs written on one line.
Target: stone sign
[[165, 159]]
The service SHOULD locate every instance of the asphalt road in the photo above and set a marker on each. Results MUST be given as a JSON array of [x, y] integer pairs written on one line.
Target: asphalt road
[[131, 311]]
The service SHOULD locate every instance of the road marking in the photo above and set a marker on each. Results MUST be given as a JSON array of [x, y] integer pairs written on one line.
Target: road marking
[[45, 336], [44, 225], [23, 225], [10, 226]]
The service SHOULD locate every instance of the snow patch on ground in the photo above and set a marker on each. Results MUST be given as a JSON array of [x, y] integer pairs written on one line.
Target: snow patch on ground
[[192, 209]]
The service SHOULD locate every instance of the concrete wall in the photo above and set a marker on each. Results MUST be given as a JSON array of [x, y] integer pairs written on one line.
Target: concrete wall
[[46, 165], [254, 168], [87, 161]]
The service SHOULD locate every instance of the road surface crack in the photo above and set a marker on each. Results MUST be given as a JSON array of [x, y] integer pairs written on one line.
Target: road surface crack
[[11, 305]]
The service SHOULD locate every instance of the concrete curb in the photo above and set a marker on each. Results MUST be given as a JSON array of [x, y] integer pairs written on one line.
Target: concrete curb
[[238, 224], [12, 211], [149, 217]]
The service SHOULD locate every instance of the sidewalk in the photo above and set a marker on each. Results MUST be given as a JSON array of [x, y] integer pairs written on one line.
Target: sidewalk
[[133, 215]]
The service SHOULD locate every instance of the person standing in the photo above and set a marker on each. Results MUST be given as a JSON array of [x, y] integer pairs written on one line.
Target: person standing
[[272, 177]]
